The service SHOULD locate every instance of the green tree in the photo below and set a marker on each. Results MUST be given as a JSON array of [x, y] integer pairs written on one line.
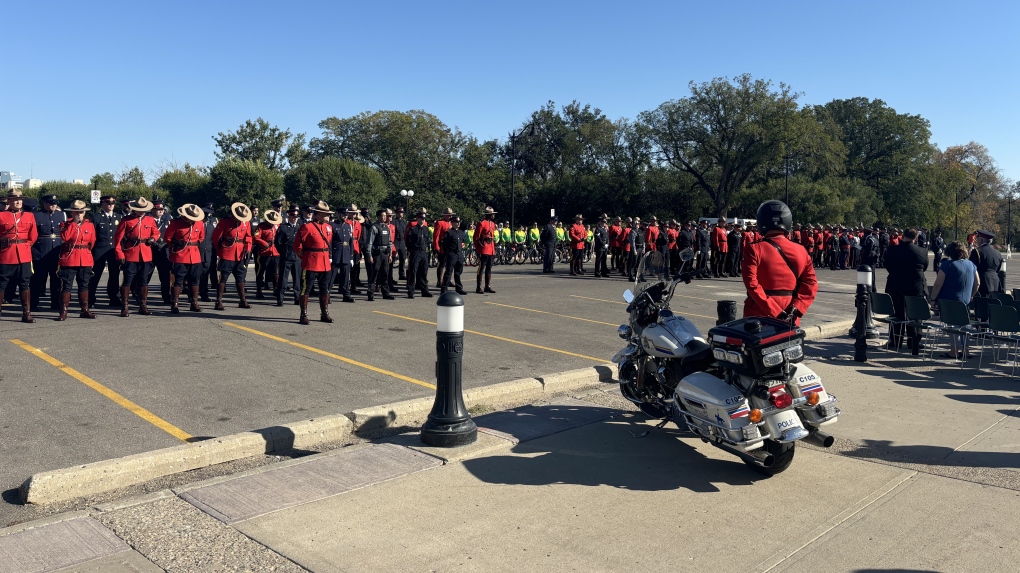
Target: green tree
[[336, 181], [259, 142], [182, 185], [65, 191], [239, 180]]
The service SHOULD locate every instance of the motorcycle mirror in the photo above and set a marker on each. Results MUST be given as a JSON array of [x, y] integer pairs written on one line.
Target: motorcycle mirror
[[628, 296], [687, 255]]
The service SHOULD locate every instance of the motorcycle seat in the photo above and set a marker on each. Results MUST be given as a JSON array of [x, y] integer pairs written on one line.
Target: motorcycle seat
[[699, 355]]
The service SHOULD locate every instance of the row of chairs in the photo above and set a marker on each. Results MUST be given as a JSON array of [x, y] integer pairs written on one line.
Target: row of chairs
[[996, 319]]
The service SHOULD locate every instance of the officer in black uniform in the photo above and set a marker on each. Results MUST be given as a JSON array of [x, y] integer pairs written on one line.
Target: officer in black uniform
[[418, 239], [342, 253], [209, 274], [883, 244], [704, 248], [548, 240], [160, 255], [46, 253], [377, 256], [734, 241], [636, 238], [290, 263], [453, 250], [601, 246], [989, 263], [400, 229], [104, 255], [938, 246]]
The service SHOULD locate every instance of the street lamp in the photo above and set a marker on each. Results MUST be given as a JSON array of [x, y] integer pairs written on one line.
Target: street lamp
[[513, 170], [407, 194]]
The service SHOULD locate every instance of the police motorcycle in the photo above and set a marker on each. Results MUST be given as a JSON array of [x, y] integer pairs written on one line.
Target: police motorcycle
[[743, 389]]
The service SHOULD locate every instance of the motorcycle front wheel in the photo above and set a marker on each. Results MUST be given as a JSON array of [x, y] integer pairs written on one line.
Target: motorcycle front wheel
[[782, 455]]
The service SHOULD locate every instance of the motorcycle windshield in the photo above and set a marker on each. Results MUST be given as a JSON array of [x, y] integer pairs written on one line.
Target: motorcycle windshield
[[651, 271]]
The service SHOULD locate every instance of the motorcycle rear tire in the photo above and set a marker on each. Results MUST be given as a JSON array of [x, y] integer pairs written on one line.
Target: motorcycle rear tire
[[782, 458]]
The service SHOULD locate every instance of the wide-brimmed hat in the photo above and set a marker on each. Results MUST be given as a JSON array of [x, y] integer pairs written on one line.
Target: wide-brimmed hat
[[273, 217], [352, 208], [321, 207], [241, 212], [77, 205], [15, 194], [449, 211], [141, 204], [579, 217], [422, 211], [191, 212], [488, 211]]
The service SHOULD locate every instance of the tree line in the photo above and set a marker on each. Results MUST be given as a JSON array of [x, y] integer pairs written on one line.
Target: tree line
[[719, 151]]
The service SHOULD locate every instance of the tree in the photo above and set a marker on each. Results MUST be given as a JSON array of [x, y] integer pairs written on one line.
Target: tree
[[260, 142], [336, 181], [722, 133], [185, 184], [239, 180]]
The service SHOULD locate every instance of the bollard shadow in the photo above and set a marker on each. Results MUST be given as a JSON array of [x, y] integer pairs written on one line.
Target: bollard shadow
[[280, 441], [896, 571], [883, 450]]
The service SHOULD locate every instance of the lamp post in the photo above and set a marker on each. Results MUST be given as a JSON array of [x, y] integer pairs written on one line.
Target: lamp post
[[449, 423], [864, 273], [407, 194], [513, 170], [787, 179]]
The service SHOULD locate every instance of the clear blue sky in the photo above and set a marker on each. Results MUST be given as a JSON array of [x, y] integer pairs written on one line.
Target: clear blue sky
[[101, 86]]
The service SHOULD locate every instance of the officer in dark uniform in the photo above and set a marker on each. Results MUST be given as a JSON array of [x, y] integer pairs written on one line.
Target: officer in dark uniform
[[453, 251], [989, 263], [548, 239], [938, 246], [366, 222], [637, 248], [734, 241], [342, 253], [160, 256], [290, 263], [601, 246], [46, 252], [209, 274], [103, 254], [883, 244], [400, 228], [704, 248], [377, 257], [418, 238]]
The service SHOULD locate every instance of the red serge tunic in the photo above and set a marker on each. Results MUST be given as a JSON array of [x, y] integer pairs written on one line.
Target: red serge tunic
[[17, 235], [770, 282], [192, 234], [719, 240], [442, 226], [265, 236], [312, 245], [131, 236], [76, 242], [484, 234], [577, 236], [232, 239]]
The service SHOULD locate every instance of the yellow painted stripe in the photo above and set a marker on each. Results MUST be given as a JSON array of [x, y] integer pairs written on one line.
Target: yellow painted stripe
[[117, 398], [552, 313], [599, 360], [334, 356], [682, 313]]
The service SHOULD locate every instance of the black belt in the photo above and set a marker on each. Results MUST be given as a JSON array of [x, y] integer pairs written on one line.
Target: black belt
[[317, 250], [80, 247], [779, 292]]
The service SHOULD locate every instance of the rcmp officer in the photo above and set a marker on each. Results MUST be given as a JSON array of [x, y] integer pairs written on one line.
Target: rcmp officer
[[417, 240], [46, 252], [136, 235], [104, 255], [78, 236], [380, 246], [577, 235], [988, 261], [442, 225], [184, 238], [778, 274], [17, 235], [160, 257], [399, 230], [290, 263], [208, 250], [485, 246], [312, 244], [269, 256], [453, 249], [233, 240], [343, 253]]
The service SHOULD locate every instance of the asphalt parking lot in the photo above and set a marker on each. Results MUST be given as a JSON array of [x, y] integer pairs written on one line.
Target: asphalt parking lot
[[87, 390]]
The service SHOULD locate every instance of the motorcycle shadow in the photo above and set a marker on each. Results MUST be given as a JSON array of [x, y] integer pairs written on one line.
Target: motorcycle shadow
[[607, 453]]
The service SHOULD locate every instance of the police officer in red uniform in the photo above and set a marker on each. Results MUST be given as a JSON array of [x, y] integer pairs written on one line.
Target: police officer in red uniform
[[183, 237], [232, 240], [485, 246], [17, 235], [77, 237], [312, 244], [133, 244], [778, 274], [269, 257]]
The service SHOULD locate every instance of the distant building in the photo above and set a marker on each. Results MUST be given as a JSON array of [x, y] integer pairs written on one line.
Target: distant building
[[32, 183], [78, 181], [8, 180]]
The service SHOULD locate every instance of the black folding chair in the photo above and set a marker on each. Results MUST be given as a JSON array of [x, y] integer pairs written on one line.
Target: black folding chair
[[1004, 326], [918, 315], [955, 317], [882, 303]]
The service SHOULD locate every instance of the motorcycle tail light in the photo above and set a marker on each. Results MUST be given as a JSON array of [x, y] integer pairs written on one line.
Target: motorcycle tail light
[[794, 353], [813, 398], [719, 354], [773, 359], [781, 399], [755, 416]]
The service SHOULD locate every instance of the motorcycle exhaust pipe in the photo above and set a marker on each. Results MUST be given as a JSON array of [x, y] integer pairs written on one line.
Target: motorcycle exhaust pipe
[[758, 457], [820, 439]]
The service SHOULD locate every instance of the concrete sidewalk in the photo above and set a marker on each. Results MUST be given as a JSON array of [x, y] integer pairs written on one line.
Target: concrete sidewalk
[[924, 477]]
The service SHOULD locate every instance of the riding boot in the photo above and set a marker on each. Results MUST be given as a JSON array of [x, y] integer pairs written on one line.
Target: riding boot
[[83, 304], [219, 296], [304, 309], [66, 302], [26, 306], [324, 307], [175, 297], [194, 299], [478, 285], [244, 296], [143, 307], [410, 289], [125, 299], [488, 279]]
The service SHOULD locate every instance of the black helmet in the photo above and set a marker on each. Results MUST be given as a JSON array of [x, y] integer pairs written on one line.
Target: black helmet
[[774, 215]]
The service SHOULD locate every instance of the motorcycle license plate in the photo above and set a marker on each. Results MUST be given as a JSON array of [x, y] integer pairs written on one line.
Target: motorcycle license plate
[[783, 422]]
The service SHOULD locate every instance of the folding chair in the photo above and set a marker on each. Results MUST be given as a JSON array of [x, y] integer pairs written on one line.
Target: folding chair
[[918, 315], [1016, 294], [981, 310], [1002, 297], [1005, 327], [882, 303], [955, 317]]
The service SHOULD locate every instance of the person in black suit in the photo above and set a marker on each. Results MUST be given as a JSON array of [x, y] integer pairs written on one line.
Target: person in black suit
[[985, 257], [907, 264]]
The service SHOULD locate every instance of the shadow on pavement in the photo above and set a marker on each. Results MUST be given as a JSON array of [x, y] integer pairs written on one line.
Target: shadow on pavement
[[884, 450]]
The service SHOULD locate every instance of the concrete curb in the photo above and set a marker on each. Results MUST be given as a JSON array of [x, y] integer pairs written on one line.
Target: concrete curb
[[828, 329]]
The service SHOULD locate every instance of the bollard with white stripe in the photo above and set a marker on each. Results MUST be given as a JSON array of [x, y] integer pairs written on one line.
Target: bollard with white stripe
[[449, 424]]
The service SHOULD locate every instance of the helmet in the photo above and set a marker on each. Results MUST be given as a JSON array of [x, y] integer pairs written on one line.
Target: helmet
[[774, 215]]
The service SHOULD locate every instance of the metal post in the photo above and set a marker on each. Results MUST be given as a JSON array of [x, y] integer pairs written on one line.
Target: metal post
[[449, 424], [787, 179], [726, 311], [513, 181]]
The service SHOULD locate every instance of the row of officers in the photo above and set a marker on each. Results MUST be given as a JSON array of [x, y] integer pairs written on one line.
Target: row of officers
[[308, 254]]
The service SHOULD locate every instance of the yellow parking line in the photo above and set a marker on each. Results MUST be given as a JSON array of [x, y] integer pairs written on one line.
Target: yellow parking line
[[599, 360], [683, 313], [552, 313], [334, 356], [117, 398]]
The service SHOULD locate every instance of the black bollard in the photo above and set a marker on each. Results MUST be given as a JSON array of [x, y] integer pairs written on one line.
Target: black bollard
[[726, 311], [864, 274], [449, 424]]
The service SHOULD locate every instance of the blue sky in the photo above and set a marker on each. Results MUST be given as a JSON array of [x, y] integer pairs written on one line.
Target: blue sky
[[103, 86]]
